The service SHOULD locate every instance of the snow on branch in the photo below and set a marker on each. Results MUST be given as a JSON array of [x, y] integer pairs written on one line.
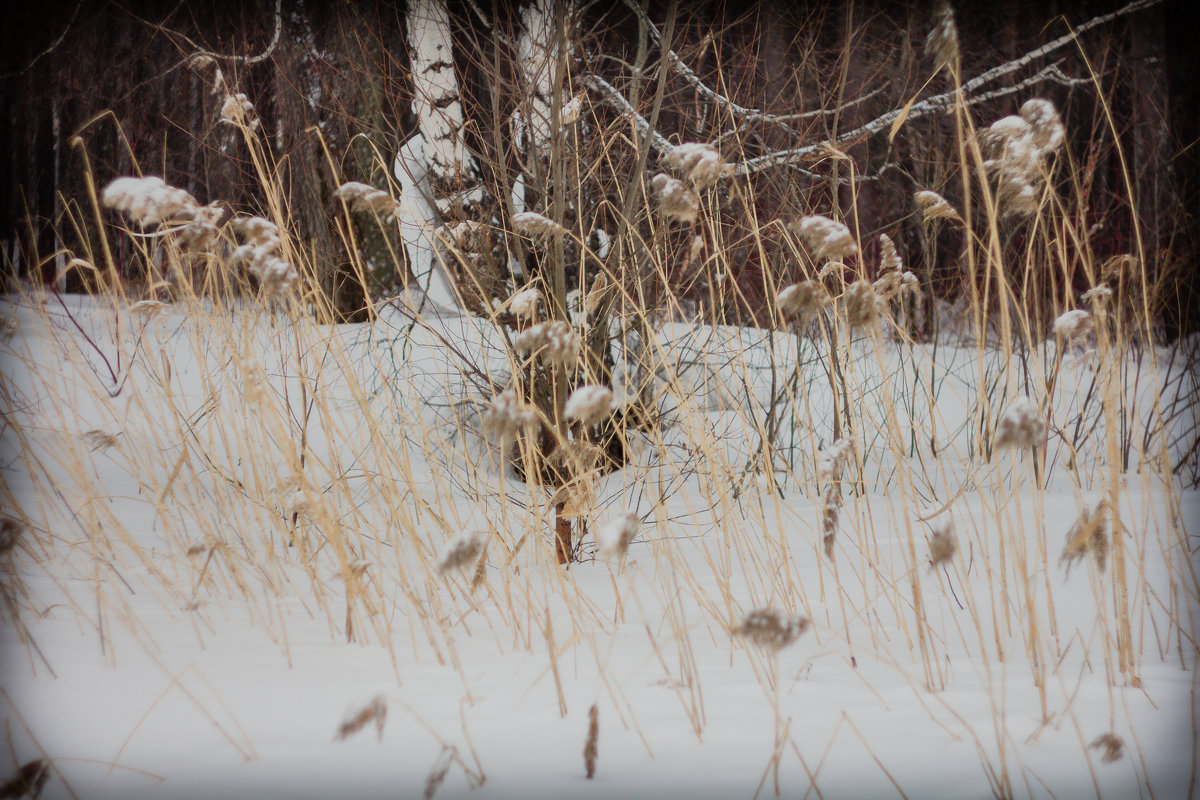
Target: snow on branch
[[939, 102], [936, 103], [746, 114]]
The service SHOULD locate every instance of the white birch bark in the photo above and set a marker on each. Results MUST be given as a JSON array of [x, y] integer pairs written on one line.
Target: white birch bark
[[450, 169], [538, 55], [417, 218]]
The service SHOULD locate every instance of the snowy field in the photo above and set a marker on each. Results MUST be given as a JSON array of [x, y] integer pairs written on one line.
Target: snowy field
[[224, 529]]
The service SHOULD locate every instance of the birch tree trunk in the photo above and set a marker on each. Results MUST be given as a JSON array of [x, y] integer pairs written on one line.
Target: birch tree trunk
[[451, 171]]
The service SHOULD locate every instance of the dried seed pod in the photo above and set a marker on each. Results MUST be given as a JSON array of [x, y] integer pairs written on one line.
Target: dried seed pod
[[825, 237], [461, 551], [942, 41], [802, 301], [1113, 747], [357, 718], [1021, 427], [589, 404], [589, 747], [618, 533], [1088, 534], [772, 629], [934, 206], [943, 543], [675, 200]]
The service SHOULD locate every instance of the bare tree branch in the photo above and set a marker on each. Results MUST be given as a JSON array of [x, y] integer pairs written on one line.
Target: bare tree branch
[[746, 114], [941, 102]]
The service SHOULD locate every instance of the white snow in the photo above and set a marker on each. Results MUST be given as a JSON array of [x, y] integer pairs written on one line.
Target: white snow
[[144, 666]]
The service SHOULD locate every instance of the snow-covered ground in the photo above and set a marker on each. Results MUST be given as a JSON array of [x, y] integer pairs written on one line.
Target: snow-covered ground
[[161, 638]]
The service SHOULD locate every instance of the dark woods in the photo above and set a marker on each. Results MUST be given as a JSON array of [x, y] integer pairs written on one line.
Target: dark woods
[[96, 89]]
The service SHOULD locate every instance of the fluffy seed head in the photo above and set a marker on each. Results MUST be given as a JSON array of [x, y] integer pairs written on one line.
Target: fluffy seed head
[[11, 529], [614, 538], [589, 404], [148, 201], [537, 227], [525, 304], [943, 543], [1073, 324], [942, 41], [358, 717], [675, 199], [1111, 745], [1089, 534], [772, 629], [863, 305], [555, 342], [834, 459], [699, 163], [237, 109], [802, 300], [1045, 125], [1097, 294], [507, 418], [590, 749], [1021, 427], [934, 206], [99, 440], [460, 552], [825, 237], [362, 197], [147, 308]]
